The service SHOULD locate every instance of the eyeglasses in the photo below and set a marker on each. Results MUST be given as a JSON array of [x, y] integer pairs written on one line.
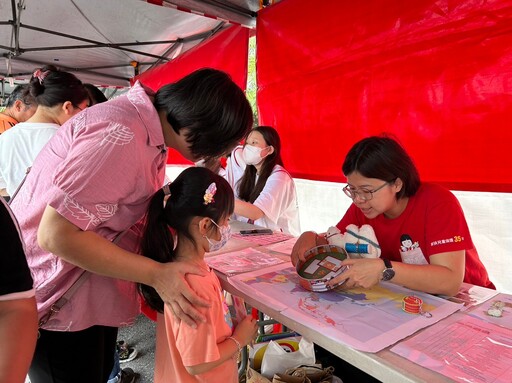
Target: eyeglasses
[[363, 194], [76, 106]]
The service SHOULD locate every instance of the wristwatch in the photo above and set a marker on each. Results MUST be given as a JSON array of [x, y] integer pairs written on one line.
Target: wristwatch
[[388, 273]]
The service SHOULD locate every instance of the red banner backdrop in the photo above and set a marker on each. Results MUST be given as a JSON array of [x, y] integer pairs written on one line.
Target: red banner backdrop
[[227, 51], [435, 74]]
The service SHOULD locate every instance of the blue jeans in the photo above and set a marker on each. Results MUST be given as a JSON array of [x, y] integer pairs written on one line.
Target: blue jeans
[[116, 370]]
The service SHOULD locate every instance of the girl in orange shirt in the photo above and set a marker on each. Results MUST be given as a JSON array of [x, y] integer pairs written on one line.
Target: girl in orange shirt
[[197, 209]]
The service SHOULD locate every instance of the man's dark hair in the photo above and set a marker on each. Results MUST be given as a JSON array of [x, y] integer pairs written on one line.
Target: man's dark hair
[[20, 92], [212, 108]]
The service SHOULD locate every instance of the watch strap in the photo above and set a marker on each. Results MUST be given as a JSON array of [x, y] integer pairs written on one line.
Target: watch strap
[[388, 273]]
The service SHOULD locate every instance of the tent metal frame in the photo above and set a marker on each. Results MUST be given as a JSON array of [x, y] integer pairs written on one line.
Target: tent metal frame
[[209, 8]]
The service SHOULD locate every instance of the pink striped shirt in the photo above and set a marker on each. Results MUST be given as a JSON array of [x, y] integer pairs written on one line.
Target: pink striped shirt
[[99, 172]]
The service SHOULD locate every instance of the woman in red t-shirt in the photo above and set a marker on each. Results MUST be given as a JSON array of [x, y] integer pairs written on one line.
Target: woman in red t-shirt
[[421, 228]]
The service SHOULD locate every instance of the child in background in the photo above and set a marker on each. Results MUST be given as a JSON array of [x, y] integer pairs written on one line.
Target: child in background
[[192, 221]]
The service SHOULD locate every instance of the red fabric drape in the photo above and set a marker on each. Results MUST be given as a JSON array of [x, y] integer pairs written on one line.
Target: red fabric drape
[[226, 51], [436, 74]]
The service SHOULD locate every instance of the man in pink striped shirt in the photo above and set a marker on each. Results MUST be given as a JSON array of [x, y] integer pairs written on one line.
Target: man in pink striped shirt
[[93, 181]]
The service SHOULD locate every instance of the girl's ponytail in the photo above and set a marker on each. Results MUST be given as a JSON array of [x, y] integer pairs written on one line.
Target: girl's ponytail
[[156, 243]]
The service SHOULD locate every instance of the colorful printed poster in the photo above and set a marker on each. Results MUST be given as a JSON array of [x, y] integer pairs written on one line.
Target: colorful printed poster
[[284, 247], [365, 319], [242, 261], [263, 239], [466, 350]]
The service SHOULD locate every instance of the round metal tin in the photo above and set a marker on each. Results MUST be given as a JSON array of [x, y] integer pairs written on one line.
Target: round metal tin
[[321, 265]]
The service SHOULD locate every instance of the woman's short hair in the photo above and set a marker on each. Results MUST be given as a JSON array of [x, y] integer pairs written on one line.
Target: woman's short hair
[[382, 157]]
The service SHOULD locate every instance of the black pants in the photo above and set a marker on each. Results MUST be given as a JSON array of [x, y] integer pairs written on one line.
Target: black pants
[[85, 356]]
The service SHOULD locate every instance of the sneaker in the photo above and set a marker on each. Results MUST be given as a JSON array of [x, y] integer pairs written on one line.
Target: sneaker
[[125, 352], [128, 376]]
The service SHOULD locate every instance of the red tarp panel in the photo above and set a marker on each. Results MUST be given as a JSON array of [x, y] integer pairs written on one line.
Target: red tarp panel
[[226, 51], [436, 74]]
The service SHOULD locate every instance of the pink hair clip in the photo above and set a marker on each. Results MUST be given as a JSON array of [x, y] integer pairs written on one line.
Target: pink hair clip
[[209, 193], [40, 75]]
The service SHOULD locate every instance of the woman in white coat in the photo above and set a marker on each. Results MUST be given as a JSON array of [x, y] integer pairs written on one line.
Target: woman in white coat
[[265, 192]]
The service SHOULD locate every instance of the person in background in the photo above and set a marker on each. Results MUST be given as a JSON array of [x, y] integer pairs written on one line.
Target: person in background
[[197, 211], [96, 96], [18, 312], [421, 228], [91, 185], [59, 96], [265, 192], [20, 107]]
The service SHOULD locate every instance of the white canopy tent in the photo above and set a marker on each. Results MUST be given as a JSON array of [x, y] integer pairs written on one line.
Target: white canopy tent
[[107, 42]]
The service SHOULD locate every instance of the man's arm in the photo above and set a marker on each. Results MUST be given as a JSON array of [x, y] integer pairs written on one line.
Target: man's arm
[[92, 252]]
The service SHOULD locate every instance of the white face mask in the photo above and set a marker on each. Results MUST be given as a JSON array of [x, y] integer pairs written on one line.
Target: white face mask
[[252, 154], [201, 163], [225, 235]]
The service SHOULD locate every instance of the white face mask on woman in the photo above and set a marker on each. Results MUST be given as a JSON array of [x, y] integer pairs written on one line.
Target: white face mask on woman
[[252, 154]]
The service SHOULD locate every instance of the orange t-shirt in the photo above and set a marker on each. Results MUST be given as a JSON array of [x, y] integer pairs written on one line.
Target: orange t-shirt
[[179, 345], [6, 122]]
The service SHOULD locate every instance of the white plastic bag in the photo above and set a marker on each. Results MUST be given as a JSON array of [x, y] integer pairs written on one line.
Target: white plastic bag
[[256, 352], [277, 360]]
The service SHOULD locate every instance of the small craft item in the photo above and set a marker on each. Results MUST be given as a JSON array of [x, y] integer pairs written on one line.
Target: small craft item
[[322, 263], [358, 242], [414, 305], [496, 309]]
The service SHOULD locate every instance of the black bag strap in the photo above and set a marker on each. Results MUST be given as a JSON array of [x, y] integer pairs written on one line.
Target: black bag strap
[[20, 185], [55, 308]]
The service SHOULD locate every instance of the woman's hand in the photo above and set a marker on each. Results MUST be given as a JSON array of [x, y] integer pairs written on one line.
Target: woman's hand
[[361, 273], [246, 330], [171, 285], [306, 241]]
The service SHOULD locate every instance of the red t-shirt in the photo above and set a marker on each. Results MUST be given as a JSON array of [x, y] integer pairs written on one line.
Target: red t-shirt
[[433, 222]]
